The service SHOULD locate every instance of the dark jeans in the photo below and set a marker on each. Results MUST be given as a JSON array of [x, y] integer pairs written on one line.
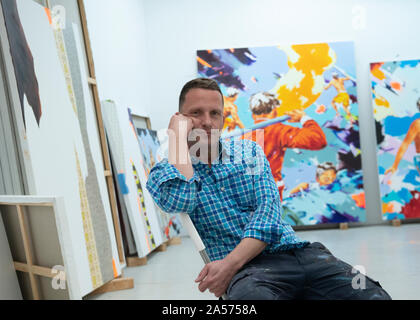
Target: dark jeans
[[309, 273]]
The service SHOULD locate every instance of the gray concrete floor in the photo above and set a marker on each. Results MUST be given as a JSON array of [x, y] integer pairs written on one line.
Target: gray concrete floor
[[390, 255]]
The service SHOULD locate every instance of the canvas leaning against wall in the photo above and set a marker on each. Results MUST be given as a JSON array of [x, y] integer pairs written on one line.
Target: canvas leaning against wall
[[61, 139], [149, 147], [131, 176], [396, 107], [304, 100]]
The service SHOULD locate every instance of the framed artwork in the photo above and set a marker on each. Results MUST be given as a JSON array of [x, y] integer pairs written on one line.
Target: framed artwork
[[396, 107], [299, 103]]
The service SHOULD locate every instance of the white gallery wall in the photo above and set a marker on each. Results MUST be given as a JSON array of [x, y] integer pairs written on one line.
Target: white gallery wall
[[117, 35], [155, 43]]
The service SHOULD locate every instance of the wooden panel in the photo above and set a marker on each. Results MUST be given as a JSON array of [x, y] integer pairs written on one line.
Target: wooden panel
[[105, 154], [28, 252]]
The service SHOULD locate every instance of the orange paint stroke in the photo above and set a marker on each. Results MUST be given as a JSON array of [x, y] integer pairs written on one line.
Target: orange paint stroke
[[114, 266], [382, 102], [48, 15], [376, 71], [204, 63], [321, 109], [396, 85], [359, 199], [387, 208]]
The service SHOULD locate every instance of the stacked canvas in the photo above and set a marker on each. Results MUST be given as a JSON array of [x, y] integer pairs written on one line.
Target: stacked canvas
[[132, 173], [62, 150], [299, 103], [396, 102], [151, 153]]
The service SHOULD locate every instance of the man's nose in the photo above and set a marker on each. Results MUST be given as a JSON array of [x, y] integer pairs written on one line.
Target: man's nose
[[206, 120]]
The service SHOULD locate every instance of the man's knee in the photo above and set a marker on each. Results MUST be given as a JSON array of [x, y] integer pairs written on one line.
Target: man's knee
[[373, 291]]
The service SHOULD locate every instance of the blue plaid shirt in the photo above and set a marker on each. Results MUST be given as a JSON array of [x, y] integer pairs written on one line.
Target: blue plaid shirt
[[236, 198]]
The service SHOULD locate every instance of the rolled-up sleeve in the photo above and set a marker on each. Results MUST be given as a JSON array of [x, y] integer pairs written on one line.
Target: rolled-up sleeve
[[265, 223], [171, 190]]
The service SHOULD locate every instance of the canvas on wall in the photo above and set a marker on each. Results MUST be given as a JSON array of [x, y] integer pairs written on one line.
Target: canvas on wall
[[63, 147], [299, 102], [396, 106], [149, 147], [131, 176]]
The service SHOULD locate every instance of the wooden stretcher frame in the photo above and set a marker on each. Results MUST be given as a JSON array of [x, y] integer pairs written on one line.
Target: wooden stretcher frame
[[21, 203]]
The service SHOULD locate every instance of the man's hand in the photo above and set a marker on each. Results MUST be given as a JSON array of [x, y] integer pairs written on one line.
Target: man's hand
[[295, 115], [181, 125], [179, 128], [216, 277]]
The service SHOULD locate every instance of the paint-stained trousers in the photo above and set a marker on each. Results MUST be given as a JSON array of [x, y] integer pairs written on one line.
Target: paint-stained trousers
[[309, 273]]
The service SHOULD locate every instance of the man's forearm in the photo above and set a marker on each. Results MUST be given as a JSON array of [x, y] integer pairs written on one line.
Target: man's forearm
[[245, 251], [179, 155]]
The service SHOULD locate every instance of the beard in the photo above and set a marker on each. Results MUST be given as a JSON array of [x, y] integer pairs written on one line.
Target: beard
[[204, 145]]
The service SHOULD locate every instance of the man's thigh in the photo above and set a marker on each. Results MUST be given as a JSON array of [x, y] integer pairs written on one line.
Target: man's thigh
[[331, 278], [268, 277]]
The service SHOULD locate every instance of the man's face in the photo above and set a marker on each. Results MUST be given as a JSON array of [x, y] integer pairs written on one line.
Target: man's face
[[205, 107], [327, 177]]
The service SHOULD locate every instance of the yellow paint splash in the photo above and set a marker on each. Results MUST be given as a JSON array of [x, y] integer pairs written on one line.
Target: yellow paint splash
[[304, 82]]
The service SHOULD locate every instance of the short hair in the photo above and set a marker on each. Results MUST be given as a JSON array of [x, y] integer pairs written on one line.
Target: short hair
[[335, 75], [263, 103], [418, 104], [199, 83], [322, 167]]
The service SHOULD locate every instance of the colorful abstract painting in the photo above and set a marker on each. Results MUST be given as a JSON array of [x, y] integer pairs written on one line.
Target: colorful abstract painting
[[396, 106], [299, 102], [149, 147], [61, 144]]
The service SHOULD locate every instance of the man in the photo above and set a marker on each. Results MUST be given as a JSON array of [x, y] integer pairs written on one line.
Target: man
[[236, 209], [413, 134], [279, 137], [230, 111], [342, 97], [326, 174]]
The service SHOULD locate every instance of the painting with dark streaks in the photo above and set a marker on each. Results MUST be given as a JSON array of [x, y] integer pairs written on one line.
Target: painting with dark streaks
[[23, 60], [63, 148]]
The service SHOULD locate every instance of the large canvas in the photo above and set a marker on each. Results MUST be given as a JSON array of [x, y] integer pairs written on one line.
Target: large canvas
[[303, 101], [63, 149], [124, 145], [149, 147], [396, 106]]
